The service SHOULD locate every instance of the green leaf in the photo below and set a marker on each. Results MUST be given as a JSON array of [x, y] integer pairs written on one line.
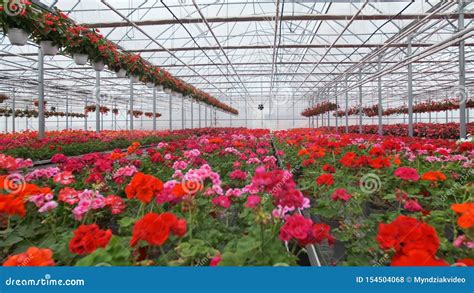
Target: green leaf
[[115, 254]]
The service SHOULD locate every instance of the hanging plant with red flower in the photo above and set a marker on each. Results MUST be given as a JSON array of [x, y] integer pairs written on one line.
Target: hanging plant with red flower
[[51, 27], [319, 109]]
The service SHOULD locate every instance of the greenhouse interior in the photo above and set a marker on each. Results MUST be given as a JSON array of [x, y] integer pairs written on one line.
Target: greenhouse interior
[[236, 133]]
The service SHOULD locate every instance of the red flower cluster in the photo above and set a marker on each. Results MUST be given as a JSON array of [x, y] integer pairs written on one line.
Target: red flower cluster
[[87, 238], [407, 174], [280, 185], [33, 257], [320, 108], [341, 194], [325, 179], [304, 231], [415, 243], [143, 187], [155, 228]]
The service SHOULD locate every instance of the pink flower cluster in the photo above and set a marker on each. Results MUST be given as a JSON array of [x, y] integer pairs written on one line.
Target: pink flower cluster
[[45, 173], [44, 202], [86, 200]]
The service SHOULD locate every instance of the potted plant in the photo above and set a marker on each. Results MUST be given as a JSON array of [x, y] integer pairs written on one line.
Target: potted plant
[[3, 98], [17, 20], [119, 65], [50, 32], [80, 41]]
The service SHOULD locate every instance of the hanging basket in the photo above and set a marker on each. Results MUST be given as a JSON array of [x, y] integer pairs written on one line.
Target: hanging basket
[[159, 88], [135, 78], [3, 98], [80, 59], [150, 85], [121, 73], [98, 66], [48, 48], [17, 36]]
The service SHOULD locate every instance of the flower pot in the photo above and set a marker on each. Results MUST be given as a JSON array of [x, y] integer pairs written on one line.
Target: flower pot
[[121, 73], [48, 48], [135, 78], [17, 36], [150, 85], [167, 91], [98, 65], [159, 88], [80, 59]]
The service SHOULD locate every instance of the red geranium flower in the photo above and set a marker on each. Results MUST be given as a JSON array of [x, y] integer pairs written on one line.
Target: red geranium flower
[[143, 187], [33, 257], [325, 179], [466, 210], [155, 228], [433, 176], [407, 173], [87, 238], [405, 234], [341, 194], [417, 257]]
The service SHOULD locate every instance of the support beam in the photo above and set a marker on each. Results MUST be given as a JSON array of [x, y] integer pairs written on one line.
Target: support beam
[[379, 94], [463, 92], [347, 109], [192, 115], [283, 46], [85, 113], [97, 101], [13, 109], [183, 125], [67, 111], [266, 18], [154, 108], [337, 103], [410, 91], [41, 120], [131, 103], [200, 126], [170, 111], [360, 103]]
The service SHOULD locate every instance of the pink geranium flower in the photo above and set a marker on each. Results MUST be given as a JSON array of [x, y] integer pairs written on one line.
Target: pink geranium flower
[[407, 174]]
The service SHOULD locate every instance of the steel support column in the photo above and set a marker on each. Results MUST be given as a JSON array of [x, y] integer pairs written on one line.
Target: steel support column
[[336, 118], [192, 114], [97, 101], [41, 120], [347, 110], [182, 113], [85, 113], [154, 108], [379, 93], [131, 103], [171, 111], [462, 76], [410, 92], [13, 110], [199, 107], [67, 111], [360, 103]]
